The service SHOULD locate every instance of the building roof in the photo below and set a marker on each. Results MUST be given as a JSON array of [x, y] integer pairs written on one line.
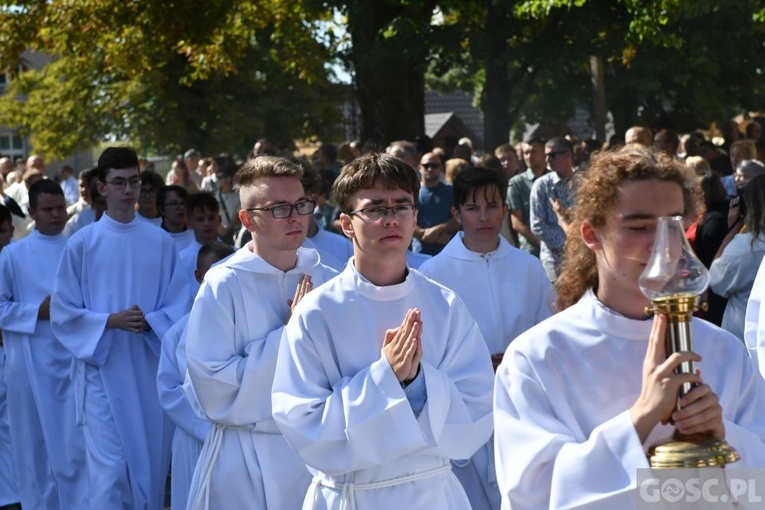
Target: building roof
[[440, 106], [435, 121]]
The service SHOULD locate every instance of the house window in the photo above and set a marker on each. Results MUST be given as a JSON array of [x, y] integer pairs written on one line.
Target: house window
[[12, 145], [5, 77]]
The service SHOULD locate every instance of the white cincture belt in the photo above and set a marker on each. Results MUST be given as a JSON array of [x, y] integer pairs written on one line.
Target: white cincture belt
[[207, 458], [348, 494], [77, 376]]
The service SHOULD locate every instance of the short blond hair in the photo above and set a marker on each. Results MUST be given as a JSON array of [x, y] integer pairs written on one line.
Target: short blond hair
[[265, 166]]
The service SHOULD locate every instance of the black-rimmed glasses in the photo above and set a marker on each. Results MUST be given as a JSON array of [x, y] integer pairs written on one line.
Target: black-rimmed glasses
[[120, 184], [552, 154], [378, 212], [430, 165], [304, 207]]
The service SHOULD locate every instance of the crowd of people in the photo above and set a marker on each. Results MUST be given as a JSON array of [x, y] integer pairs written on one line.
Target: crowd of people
[[417, 326]]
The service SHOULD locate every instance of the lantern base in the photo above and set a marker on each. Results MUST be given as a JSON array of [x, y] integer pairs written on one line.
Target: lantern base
[[693, 451]]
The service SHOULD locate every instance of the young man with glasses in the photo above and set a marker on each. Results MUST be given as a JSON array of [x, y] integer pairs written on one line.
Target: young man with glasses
[[234, 331], [552, 196], [116, 294], [383, 377]]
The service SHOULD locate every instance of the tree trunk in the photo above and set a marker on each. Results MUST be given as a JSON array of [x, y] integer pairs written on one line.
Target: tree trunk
[[389, 72], [495, 97], [623, 107], [599, 97], [392, 98]]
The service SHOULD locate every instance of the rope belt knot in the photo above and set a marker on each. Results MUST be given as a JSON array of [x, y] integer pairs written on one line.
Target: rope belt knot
[[349, 489]]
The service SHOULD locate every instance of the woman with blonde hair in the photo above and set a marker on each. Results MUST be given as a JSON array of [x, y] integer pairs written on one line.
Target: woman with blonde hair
[[453, 167], [698, 164]]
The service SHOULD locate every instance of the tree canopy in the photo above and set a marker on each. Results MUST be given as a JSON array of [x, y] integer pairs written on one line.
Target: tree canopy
[[666, 62], [214, 74], [218, 74]]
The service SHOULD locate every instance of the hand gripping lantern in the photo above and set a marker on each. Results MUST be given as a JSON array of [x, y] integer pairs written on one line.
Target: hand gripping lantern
[[673, 280]]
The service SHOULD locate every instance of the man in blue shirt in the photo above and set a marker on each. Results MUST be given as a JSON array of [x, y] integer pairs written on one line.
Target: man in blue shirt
[[551, 198], [435, 225]]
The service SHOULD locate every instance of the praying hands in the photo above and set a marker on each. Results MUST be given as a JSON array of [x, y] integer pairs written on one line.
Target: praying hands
[[305, 285], [131, 319], [403, 346]]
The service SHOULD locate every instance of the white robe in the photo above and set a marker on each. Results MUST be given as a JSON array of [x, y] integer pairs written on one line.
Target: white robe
[[189, 258], [71, 190], [183, 239], [339, 246], [754, 321], [76, 207], [41, 399], [507, 292], [157, 220], [9, 490], [732, 276], [415, 260], [564, 437], [22, 226], [79, 220], [343, 410], [188, 264], [326, 257], [190, 430], [108, 267], [233, 338]]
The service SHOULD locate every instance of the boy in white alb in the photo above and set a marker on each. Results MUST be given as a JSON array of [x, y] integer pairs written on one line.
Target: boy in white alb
[[505, 289], [581, 397], [754, 321], [190, 430], [9, 491], [233, 338], [171, 203], [44, 432], [203, 219], [383, 376], [117, 292]]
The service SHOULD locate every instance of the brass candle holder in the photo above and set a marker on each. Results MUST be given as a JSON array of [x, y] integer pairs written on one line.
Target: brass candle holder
[[673, 280]]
